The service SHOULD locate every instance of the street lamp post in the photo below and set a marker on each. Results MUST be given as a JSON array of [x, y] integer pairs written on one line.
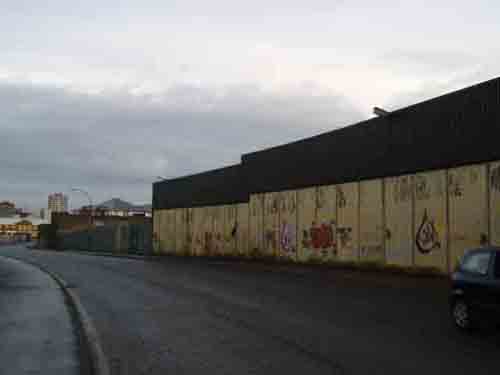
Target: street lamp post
[[86, 193]]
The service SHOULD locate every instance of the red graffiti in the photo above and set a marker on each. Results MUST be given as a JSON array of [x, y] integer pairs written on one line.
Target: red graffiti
[[322, 236], [208, 241]]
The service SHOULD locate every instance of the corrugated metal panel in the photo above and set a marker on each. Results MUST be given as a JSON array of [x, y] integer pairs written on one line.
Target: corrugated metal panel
[[188, 248], [468, 209], [242, 228], [306, 206], [322, 231], [180, 230], [371, 226], [430, 224], [288, 225], [171, 224], [218, 229], [197, 244], [156, 231], [166, 225], [256, 240], [398, 220], [208, 230], [230, 229], [217, 187], [494, 190], [348, 221], [271, 223]]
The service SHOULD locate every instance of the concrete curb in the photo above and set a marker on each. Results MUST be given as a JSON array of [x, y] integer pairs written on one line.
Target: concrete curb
[[100, 364]]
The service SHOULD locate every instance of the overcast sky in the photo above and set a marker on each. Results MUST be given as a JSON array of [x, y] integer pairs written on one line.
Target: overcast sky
[[107, 97]]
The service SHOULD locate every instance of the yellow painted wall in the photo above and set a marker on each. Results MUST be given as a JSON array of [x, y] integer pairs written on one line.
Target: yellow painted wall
[[324, 233], [180, 230], [218, 229], [430, 226], [398, 220], [494, 190], [207, 228], [222, 231], [188, 247], [230, 229], [371, 226], [256, 224], [271, 223], [306, 206], [426, 219], [168, 241], [468, 208], [288, 225], [348, 221], [197, 244], [242, 228], [156, 231]]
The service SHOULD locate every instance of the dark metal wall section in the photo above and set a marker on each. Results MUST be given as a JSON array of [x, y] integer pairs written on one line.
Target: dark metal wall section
[[459, 128], [219, 186]]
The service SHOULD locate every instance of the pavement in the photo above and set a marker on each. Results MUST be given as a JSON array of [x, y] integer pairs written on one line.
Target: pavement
[[192, 316], [36, 329]]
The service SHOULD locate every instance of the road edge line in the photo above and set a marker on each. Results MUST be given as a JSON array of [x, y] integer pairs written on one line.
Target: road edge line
[[99, 362]]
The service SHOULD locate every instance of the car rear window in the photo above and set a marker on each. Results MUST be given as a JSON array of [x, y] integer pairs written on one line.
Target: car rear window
[[477, 263], [497, 265]]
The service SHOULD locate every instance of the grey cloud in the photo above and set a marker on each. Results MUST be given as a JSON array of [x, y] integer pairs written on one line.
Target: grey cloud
[[116, 143], [452, 81]]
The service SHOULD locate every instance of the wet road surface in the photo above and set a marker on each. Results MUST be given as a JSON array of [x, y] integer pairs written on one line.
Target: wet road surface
[[188, 316], [36, 331]]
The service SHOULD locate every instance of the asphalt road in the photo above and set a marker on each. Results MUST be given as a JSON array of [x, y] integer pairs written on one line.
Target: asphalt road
[[37, 335], [187, 316]]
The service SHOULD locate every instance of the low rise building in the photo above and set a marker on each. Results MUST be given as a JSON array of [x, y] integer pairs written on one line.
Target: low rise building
[[20, 228]]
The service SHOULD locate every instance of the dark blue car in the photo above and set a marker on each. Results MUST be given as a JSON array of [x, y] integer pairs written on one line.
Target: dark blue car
[[475, 290]]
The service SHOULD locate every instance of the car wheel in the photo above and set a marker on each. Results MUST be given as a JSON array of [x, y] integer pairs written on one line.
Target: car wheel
[[462, 315]]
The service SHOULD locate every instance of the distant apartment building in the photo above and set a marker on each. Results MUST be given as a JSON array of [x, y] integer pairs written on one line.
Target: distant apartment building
[[58, 202]]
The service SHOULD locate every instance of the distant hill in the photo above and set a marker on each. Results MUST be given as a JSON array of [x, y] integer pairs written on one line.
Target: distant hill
[[116, 204], [120, 204]]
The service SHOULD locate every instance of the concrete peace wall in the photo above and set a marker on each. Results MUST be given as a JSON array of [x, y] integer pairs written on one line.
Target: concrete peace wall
[[426, 219]]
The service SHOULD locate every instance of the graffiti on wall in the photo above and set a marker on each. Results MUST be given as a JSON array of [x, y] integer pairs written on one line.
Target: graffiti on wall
[[287, 231], [321, 197], [272, 205], [344, 236], [427, 237], [456, 184], [422, 188], [270, 239], [495, 178], [341, 198], [402, 189], [320, 237], [287, 237], [288, 203], [234, 231], [208, 242]]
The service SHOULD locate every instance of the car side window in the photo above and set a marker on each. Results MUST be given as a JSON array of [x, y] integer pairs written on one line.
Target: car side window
[[497, 265], [477, 263]]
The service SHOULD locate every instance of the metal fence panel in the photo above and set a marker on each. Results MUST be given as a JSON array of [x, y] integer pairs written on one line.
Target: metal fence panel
[[398, 220], [348, 221], [468, 210], [371, 225], [288, 225], [430, 223]]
